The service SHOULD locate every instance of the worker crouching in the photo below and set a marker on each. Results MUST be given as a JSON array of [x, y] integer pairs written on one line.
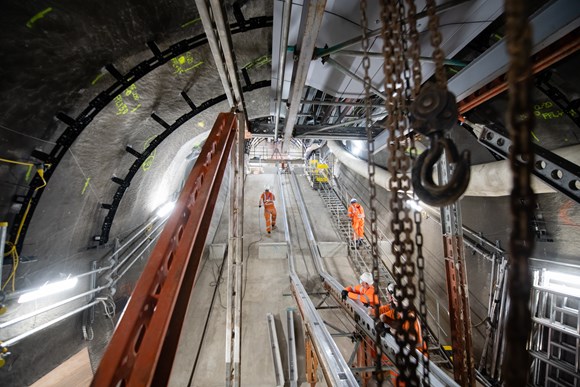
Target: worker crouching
[[364, 292], [389, 316]]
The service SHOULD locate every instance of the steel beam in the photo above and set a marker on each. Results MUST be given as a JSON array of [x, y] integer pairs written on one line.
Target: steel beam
[[286, 15], [313, 11], [549, 24], [142, 349], [547, 57], [214, 45], [225, 38], [235, 262], [457, 289]]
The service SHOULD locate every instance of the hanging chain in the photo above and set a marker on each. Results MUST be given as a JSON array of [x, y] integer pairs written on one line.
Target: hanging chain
[[399, 184], [373, 189], [438, 56], [516, 363], [411, 94]]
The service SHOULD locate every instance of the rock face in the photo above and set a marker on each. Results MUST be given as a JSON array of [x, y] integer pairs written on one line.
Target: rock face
[[53, 60]]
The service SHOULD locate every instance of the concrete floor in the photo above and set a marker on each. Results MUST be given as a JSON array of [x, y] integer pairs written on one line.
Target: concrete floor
[[266, 290]]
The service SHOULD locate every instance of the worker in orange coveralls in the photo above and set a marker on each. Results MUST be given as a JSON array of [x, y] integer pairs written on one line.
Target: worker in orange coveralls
[[267, 199], [364, 292], [392, 321], [389, 316], [357, 215]]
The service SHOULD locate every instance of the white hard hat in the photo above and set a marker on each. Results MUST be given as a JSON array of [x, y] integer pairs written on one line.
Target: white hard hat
[[266, 188], [353, 200], [390, 288], [366, 277]]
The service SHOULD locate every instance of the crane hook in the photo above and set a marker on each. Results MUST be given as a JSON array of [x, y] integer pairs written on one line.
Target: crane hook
[[424, 186], [434, 112]]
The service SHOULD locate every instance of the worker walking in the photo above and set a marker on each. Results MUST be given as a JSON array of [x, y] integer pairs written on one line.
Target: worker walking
[[364, 292], [267, 199], [357, 215]]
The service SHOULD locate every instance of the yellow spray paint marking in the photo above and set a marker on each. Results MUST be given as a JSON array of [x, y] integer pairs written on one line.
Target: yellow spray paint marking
[[184, 63], [122, 106], [201, 124], [97, 78], [259, 62], [539, 111], [149, 160], [535, 137], [39, 15], [190, 22], [86, 185]]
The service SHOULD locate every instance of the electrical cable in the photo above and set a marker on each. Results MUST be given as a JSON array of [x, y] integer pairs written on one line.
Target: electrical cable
[[208, 318], [13, 251], [247, 262]]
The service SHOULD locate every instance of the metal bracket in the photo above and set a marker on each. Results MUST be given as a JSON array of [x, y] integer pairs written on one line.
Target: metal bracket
[[557, 172]]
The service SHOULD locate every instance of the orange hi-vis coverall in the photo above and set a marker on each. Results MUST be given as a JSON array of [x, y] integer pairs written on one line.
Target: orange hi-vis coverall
[[389, 311], [267, 198], [359, 293], [357, 214]]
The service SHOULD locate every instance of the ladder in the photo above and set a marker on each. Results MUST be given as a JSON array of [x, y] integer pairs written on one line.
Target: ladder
[[361, 259]]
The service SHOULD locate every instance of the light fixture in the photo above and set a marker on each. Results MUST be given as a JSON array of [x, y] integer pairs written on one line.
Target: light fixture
[[563, 282], [48, 289], [165, 209], [357, 147]]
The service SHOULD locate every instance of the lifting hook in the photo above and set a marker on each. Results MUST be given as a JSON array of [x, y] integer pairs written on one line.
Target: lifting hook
[[434, 112]]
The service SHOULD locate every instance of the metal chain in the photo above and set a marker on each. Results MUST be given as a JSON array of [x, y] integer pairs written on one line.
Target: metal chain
[[438, 55], [399, 184], [373, 189], [516, 365], [411, 94]]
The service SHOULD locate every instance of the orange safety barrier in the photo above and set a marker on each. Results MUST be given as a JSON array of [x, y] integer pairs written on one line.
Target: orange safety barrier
[[142, 349]]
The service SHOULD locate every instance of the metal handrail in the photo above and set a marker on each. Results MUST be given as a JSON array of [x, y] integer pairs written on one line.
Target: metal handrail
[[335, 368], [437, 376]]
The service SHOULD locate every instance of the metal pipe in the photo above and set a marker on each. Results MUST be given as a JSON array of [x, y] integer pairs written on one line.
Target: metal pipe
[[153, 240], [212, 40], [18, 338], [346, 71], [486, 179], [225, 40], [336, 370], [70, 299], [449, 62], [291, 340], [17, 294], [335, 103], [344, 124], [278, 370], [50, 307], [310, 24], [286, 14], [133, 251]]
